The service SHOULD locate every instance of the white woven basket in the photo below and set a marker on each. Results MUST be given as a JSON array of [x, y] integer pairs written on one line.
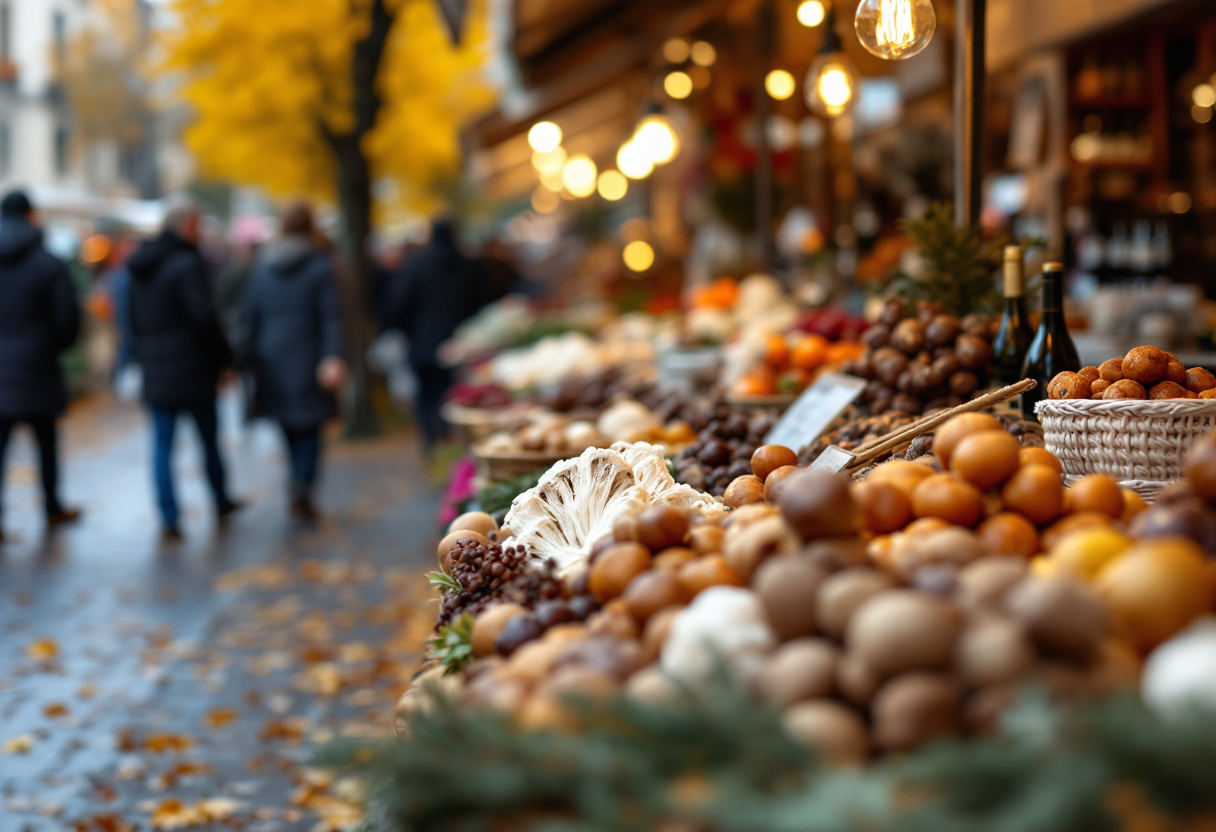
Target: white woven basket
[[1143, 444]]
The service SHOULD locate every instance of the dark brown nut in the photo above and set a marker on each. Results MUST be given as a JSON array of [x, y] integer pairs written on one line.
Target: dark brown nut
[[876, 336], [1175, 371], [862, 367], [927, 310], [1145, 364], [1169, 390], [963, 384], [1090, 372], [946, 364], [977, 325], [904, 383], [893, 311], [942, 330], [908, 336], [873, 390], [907, 403], [1126, 389], [888, 364], [973, 352], [1067, 385], [1097, 388], [924, 379], [1112, 370], [1198, 379], [881, 403]]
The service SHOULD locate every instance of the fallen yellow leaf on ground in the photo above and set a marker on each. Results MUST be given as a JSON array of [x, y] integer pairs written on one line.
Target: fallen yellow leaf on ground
[[18, 745]]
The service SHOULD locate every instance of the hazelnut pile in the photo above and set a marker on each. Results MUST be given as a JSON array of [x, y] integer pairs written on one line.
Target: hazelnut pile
[[1144, 373], [928, 361], [722, 450]]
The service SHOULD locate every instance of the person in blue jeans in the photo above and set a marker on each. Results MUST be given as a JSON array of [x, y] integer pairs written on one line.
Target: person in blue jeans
[[292, 341], [178, 341]]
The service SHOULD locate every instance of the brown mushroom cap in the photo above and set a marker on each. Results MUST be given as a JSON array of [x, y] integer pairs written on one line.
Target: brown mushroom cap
[[787, 585], [489, 624], [834, 730], [1062, 616], [992, 651], [903, 630], [841, 594], [914, 708], [804, 668]]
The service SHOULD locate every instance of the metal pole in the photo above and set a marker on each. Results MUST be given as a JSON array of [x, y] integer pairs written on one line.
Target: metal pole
[[968, 109], [765, 26]]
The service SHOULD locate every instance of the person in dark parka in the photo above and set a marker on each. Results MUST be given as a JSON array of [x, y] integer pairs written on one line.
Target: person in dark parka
[[293, 342], [430, 296], [39, 319], [180, 345]]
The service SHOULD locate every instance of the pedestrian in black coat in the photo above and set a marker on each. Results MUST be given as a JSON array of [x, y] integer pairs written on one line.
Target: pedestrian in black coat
[[293, 343], [179, 343], [430, 296], [39, 319]]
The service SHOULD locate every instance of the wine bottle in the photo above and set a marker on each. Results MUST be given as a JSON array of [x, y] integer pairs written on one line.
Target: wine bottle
[[1052, 350], [1013, 334]]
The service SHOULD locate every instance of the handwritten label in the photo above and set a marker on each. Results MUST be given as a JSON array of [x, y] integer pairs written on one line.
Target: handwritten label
[[814, 410]]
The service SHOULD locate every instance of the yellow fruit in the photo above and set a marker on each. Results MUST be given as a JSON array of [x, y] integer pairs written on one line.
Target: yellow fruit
[[1086, 552], [901, 473], [1133, 504], [1156, 589], [1043, 566]]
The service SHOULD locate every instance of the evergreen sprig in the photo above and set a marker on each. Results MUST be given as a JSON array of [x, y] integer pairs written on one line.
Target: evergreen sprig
[[444, 582], [452, 645], [958, 261], [723, 762]]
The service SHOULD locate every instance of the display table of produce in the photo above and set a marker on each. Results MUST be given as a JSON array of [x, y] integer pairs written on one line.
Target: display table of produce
[[953, 641]]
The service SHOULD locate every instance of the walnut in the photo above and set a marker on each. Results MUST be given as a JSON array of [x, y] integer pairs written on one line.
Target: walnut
[[1125, 389], [1145, 364], [1112, 370], [1068, 385], [1090, 373], [1198, 379], [1175, 371], [1097, 388], [1169, 390]]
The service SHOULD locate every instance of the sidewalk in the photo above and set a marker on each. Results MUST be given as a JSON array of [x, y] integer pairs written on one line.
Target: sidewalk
[[146, 687]]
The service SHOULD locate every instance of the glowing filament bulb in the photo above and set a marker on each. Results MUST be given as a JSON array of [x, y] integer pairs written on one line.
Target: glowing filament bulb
[[895, 29]]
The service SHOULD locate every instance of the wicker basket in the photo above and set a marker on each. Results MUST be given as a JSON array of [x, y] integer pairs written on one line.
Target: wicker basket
[[500, 467], [1143, 444], [474, 424]]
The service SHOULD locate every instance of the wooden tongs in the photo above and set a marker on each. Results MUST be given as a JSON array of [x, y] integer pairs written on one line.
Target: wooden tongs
[[837, 459]]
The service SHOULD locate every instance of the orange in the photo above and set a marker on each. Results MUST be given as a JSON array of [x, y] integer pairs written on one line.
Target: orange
[[1070, 523], [948, 498], [1133, 504], [843, 351], [901, 473], [809, 353], [756, 384], [952, 432], [885, 508], [1156, 589], [1086, 552], [1036, 492], [985, 459], [1042, 456], [1096, 492], [794, 381], [1007, 533], [776, 352], [702, 573]]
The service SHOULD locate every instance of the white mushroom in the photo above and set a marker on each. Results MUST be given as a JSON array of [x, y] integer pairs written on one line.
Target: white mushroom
[[649, 466], [723, 626], [1181, 673], [574, 505]]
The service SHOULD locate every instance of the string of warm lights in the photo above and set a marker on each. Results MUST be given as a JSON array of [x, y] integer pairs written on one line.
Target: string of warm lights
[[890, 29]]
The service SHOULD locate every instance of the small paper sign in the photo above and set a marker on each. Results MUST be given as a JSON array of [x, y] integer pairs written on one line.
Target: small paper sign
[[814, 410]]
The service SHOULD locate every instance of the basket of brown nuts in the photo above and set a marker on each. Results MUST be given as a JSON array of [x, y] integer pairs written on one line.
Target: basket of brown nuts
[[1133, 418]]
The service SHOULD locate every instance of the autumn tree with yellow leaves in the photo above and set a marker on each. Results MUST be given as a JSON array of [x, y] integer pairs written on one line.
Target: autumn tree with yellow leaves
[[326, 98]]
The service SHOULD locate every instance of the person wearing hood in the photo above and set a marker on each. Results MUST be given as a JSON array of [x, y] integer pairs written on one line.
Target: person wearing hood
[[293, 343], [39, 319], [430, 296], [179, 343]]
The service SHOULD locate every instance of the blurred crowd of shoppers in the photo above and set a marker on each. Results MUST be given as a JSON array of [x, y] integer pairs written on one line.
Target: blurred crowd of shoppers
[[269, 317]]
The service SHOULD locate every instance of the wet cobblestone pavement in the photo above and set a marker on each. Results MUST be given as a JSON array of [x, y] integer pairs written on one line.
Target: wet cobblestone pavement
[[152, 687]]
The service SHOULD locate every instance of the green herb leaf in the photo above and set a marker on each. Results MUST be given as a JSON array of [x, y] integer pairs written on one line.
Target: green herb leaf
[[444, 581], [452, 646]]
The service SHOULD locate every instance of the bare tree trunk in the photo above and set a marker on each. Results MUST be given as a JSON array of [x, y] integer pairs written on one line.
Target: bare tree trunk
[[355, 203]]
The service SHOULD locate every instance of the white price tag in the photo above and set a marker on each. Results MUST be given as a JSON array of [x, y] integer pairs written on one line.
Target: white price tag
[[814, 410]]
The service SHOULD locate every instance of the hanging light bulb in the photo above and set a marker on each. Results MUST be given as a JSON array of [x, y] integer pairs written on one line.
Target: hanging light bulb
[[633, 161], [579, 175], [544, 136], [831, 82], [657, 139], [895, 29], [779, 84], [678, 84], [638, 256], [811, 12]]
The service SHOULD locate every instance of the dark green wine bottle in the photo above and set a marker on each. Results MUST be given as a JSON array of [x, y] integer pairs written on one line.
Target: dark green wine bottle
[[1013, 334], [1052, 350]]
